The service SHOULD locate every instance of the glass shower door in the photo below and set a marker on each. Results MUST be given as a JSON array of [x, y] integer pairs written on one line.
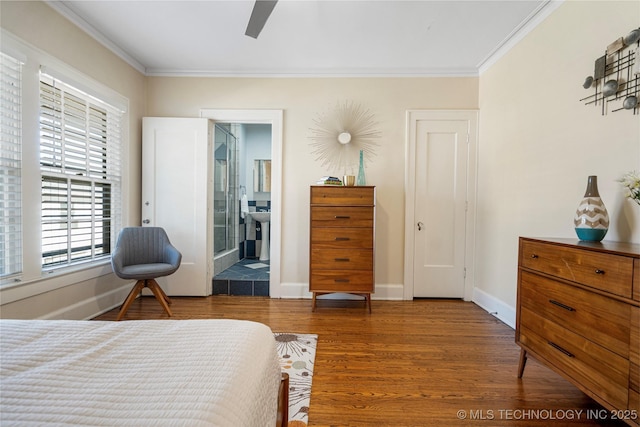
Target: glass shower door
[[224, 190]]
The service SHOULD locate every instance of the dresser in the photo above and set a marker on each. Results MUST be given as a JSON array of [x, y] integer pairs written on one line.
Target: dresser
[[578, 312], [342, 241]]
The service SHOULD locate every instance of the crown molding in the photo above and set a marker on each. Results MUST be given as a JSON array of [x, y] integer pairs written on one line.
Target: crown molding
[[532, 21], [64, 10], [333, 73]]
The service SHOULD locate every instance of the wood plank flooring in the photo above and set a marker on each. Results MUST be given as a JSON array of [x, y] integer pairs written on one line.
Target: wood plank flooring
[[409, 363]]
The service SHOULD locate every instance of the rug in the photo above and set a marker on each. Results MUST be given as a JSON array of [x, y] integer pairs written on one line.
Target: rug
[[297, 353]]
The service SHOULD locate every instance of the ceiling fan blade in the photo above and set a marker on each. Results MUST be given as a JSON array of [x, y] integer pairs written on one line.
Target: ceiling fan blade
[[261, 11]]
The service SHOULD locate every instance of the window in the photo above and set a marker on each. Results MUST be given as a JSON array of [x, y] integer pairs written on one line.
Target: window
[[80, 138], [10, 167]]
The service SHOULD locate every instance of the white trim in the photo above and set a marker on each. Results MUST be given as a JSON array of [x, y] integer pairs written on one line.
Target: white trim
[[91, 307], [275, 118], [412, 117], [58, 69], [495, 307], [54, 279], [312, 73], [532, 21], [64, 10]]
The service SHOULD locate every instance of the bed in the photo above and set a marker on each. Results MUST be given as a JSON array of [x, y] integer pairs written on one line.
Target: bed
[[140, 373]]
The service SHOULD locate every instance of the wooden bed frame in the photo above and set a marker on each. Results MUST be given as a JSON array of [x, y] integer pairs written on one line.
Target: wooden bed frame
[[283, 402]]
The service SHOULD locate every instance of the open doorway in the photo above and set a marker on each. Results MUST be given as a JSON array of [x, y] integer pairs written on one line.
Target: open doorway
[[241, 208], [275, 119]]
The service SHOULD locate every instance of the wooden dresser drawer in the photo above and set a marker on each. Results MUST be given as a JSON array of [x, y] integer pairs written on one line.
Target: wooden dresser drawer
[[578, 313], [347, 196], [339, 280], [601, 371], [604, 320], [346, 216], [342, 241], [342, 259], [340, 237], [607, 272]]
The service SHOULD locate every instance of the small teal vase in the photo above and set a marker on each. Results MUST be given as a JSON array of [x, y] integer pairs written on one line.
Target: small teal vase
[[591, 219], [361, 179]]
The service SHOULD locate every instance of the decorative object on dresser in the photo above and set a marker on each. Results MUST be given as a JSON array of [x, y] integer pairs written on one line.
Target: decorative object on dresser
[[361, 178], [578, 312], [631, 181], [342, 241], [592, 219]]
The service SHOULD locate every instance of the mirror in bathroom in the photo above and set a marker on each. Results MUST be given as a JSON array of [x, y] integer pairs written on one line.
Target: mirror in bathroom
[[262, 175]]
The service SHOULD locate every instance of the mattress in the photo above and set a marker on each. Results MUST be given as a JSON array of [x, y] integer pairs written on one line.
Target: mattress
[[138, 373]]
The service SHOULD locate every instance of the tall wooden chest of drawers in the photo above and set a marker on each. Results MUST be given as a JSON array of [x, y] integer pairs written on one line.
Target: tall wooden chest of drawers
[[342, 241], [578, 313]]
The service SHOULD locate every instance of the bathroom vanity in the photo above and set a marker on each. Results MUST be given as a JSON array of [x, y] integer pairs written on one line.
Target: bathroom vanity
[[342, 241]]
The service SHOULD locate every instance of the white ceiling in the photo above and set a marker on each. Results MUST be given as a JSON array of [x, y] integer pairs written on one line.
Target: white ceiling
[[308, 37]]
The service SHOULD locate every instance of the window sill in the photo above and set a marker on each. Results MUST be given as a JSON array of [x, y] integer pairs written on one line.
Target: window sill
[[52, 280]]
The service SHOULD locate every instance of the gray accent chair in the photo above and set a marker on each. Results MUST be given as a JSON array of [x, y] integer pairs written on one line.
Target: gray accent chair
[[144, 253]]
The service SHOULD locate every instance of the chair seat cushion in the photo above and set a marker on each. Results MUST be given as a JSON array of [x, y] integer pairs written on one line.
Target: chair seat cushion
[[147, 271]]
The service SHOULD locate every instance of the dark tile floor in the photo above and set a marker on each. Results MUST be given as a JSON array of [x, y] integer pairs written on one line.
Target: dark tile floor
[[247, 277]]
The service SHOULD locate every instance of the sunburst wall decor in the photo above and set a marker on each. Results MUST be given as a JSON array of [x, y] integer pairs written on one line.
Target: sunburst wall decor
[[339, 135]]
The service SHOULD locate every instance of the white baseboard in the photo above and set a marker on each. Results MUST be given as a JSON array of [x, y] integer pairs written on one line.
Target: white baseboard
[[92, 307], [494, 306], [382, 292]]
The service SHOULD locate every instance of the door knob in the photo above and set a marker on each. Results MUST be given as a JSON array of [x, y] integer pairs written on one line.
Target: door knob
[[420, 224], [146, 221]]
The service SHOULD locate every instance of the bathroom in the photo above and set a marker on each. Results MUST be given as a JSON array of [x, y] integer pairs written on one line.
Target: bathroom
[[241, 187]]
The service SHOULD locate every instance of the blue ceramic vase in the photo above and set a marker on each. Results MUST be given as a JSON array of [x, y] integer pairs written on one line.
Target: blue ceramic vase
[[361, 179]]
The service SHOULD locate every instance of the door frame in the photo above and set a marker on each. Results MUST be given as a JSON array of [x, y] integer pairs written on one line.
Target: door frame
[[412, 118], [275, 119]]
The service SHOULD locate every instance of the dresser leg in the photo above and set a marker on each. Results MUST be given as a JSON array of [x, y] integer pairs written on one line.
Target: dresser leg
[[523, 362], [313, 302], [368, 300]]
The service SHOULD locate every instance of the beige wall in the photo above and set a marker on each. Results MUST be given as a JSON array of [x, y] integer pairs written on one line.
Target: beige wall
[[302, 99], [45, 30], [538, 143]]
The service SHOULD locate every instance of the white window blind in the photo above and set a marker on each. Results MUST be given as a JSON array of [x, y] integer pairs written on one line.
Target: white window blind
[[80, 145], [10, 167]]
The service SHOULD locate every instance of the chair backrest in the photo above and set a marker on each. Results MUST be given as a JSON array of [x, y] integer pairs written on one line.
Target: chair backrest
[[142, 245]]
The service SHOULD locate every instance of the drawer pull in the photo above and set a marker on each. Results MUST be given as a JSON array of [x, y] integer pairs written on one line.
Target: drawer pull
[[342, 280], [561, 305], [598, 271], [341, 259], [560, 349], [342, 217], [342, 239], [534, 256]]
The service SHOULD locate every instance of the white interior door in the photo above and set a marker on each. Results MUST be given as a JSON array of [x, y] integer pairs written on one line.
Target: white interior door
[[176, 177], [441, 156]]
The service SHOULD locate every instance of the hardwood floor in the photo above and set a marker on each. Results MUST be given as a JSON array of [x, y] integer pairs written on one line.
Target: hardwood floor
[[410, 363]]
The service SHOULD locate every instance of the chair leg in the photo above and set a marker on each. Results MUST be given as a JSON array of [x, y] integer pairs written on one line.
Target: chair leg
[[159, 294], [164, 295], [132, 295]]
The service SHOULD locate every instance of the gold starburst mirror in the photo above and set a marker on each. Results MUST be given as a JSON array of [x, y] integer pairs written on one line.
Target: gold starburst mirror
[[340, 133]]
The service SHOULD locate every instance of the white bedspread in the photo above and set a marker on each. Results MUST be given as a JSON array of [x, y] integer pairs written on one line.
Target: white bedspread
[[138, 373]]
